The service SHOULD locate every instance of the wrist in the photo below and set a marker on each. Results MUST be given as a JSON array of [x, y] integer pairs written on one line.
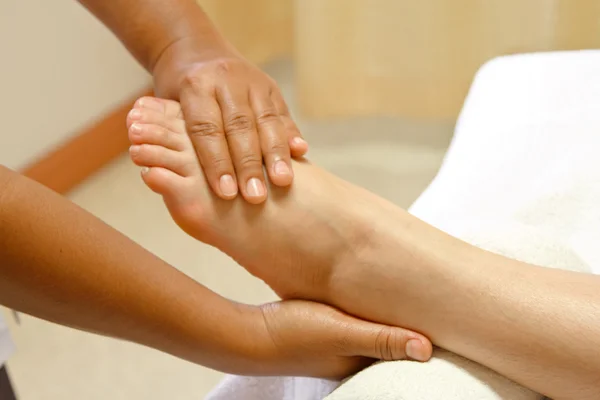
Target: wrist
[[231, 338], [261, 341], [207, 329], [241, 341], [176, 59], [251, 342]]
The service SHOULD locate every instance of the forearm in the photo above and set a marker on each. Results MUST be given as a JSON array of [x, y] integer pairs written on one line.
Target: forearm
[[537, 326], [59, 263], [149, 27]]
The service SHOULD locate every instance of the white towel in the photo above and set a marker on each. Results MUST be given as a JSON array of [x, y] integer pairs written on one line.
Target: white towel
[[522, 178], [7, 346], [271, 388]]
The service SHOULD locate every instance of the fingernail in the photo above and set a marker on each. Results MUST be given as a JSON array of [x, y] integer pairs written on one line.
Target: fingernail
[[414, 349], [134, 150], [135, 114], [145, 170], [281, 168], [255, 188], [227, 185], [299, 141]]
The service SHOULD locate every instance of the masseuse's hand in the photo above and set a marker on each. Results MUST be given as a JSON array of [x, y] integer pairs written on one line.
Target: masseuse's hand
[[236, 116], [312, 339]]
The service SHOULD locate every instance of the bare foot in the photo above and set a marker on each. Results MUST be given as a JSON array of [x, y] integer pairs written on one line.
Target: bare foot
[[306, 229]]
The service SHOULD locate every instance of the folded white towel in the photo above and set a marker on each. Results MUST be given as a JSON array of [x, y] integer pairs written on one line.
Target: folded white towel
[[522, 178], [526, 149]]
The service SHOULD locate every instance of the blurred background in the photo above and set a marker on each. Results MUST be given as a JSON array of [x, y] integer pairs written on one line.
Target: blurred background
[[375, 86]]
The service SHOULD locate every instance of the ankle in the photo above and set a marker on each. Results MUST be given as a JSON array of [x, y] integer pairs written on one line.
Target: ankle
[[384, 268], [337, 236], [352, 262]]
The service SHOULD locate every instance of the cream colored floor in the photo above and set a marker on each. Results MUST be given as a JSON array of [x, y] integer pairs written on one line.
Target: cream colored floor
[[391, 157]]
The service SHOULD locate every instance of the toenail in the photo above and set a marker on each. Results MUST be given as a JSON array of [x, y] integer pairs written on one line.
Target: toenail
[[255, 188], [135, 114], [227, 185], [136, 128], [281, 168], [149, 102]]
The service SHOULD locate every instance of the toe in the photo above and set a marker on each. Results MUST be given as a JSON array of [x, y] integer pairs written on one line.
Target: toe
[[173, 109], [149, 116], [148, 155], [140, 133], [170, 108], [162, 181], [151, 103]]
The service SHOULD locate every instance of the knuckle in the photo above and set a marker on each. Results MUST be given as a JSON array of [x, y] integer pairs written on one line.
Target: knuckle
[[384, 344], [250, 160], [238, 123], [192, 79], [278, 147], [268, 116], [203, 129], [218, 163], [222, 66]]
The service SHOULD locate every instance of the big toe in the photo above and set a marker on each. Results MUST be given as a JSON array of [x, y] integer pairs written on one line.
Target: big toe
[[170, 108]]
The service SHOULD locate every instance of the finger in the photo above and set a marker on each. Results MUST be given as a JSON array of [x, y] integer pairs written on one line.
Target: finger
[[273, 139], [367, 339], [244, 145], [205, 126], [298, 146]]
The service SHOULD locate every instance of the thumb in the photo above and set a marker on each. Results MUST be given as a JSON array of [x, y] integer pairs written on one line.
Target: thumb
[[367, 339]]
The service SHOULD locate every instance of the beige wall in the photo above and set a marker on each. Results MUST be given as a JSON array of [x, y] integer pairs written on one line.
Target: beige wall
[[417, 58], [60, 69], [261, 29]]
